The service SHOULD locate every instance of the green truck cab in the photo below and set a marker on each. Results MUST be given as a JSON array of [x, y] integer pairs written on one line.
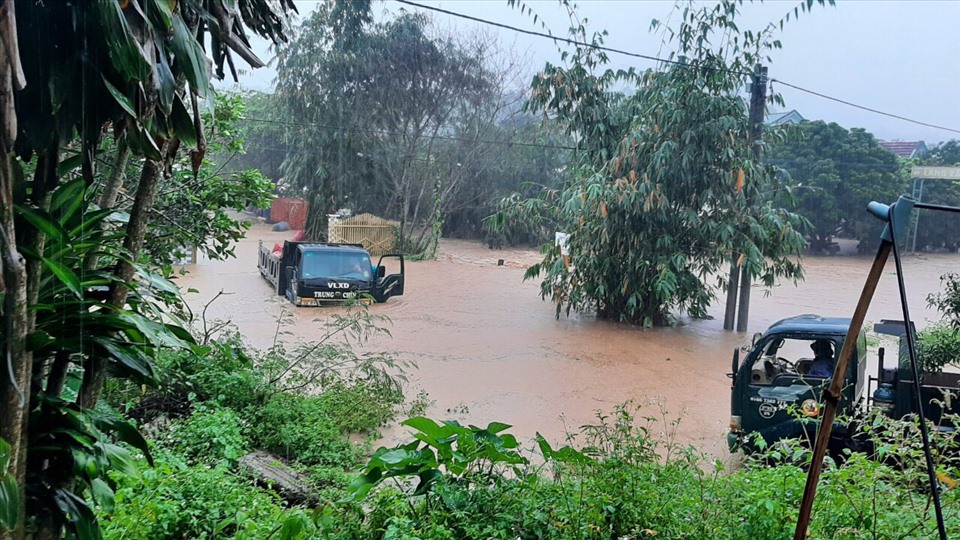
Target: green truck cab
[[776, 390]]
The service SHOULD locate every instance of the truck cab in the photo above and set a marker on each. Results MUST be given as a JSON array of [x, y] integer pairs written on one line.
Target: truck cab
[[776, 390], [311, 274]]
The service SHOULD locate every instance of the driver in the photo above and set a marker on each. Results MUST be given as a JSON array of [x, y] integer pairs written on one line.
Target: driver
[[823, 358]]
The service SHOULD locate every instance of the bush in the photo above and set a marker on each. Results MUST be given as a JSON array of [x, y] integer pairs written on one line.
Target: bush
[[301, 428], [625, 483], [212, 435], [177, 500]]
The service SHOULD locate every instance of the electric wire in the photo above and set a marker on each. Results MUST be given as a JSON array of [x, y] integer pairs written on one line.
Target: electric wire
[[394, 134], [862, 107], [666, 61], [560, 39]]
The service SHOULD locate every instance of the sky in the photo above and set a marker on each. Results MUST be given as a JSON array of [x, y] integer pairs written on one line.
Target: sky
[[896, 56]]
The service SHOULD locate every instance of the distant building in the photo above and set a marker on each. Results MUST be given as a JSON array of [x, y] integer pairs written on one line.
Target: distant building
[[787, 117], [905, 149]]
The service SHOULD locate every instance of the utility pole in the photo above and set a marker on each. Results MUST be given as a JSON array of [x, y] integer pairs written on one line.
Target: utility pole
[[740, 277]]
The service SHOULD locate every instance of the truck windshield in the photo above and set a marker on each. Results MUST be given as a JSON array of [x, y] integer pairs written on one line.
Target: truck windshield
[[334, 264], [795, 356]]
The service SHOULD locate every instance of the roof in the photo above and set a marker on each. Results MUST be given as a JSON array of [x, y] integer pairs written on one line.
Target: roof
[[367, 219], [784, 117], [905, 149], [807, 324], [332, 247]]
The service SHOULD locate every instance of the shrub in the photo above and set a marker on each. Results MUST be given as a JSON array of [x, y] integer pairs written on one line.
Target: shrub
[[212, 435], [177, 500]]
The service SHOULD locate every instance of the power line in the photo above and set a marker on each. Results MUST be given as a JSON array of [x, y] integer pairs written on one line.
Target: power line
[[658, 59], [562, 39], [868, 109], [391, 134]]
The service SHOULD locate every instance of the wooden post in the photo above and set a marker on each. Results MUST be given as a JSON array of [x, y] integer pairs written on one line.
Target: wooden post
[[831, 396]]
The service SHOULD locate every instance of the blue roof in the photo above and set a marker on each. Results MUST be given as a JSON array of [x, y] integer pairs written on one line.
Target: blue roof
[[808, 324]]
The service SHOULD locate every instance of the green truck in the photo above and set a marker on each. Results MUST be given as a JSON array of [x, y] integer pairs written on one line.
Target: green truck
[[776, 389]]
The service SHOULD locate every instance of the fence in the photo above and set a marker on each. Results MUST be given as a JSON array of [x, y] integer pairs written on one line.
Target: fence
[[293, 211], [377, 235]]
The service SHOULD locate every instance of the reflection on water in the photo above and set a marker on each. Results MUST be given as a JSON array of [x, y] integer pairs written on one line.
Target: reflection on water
[[489, 349]]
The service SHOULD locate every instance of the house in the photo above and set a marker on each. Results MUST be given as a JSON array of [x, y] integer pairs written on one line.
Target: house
[[905, 149], [779, 118]]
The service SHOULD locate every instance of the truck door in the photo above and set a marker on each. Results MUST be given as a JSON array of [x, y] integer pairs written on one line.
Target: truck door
[[388, 285]]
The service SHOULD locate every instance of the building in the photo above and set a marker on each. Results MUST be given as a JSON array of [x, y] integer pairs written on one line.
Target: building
[[905, 149], [787, 117]]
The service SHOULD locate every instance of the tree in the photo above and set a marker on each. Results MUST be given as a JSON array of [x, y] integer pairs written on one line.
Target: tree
[[670, 184], [389, 117], [833, 173], [946, 153], [73, 310]]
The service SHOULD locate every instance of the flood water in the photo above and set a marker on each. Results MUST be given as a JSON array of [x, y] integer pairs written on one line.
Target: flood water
[[488, 349]]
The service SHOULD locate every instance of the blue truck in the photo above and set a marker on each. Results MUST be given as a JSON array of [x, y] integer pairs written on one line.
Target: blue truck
[[315, 273]]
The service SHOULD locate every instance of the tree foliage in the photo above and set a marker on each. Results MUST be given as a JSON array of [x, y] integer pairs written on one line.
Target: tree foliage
[[400, 119], [939, 230], [672, 186], [833, 173], [77, 305]]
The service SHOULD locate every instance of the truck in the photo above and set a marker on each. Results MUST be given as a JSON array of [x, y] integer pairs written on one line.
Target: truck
[[317, 273], [776, 392]]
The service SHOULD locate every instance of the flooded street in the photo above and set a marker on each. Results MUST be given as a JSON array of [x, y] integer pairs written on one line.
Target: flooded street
[[487, 348]]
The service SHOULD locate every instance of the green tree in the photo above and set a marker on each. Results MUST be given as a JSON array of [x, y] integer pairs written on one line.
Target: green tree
[[939, 230], [388, 117], [833, 173], [946, 153], [671, 184], [77, 306]]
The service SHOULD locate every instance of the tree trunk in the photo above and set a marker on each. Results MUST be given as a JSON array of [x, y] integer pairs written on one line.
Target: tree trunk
[[108, 198], [95, 377], [16, 361]]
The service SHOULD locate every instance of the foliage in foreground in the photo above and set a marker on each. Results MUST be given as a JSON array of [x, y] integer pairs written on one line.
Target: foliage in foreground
[[622, 482], [299, 402]]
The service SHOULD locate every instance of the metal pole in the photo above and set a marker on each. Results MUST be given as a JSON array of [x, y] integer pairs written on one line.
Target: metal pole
[[916, 224], [758, 104], [911, 347], [730, 314]]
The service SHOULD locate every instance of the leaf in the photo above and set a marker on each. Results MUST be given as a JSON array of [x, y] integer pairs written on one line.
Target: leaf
[[9, 501], [120, 98], [427, 479], [739, 181], [128, 356], [183, 126], [167, 84], [426, 425], [125, 53], [77, 514], [121, 460], [497, 427], [190, 58], [69, 165], [125, 432], [65, 275], [67, 199], [102, 494], [42, 222]]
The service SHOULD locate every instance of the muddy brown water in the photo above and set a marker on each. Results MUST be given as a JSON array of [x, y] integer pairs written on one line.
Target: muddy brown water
[[488, 349]]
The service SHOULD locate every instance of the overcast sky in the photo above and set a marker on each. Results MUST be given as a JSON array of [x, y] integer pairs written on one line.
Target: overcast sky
[[898, 56]]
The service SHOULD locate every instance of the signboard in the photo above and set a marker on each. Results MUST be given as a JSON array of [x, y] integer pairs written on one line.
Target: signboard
[[945, 173]]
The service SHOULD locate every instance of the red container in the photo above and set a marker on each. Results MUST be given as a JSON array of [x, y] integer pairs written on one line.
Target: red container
[[293, 211]]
